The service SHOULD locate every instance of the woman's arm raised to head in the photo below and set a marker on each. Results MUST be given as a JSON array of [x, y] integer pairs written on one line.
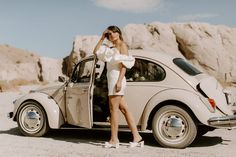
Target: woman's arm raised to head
[[98, 45], [100, 42]]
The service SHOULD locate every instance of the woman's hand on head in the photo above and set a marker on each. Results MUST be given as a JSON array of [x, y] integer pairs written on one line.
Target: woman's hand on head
[[104, 34]]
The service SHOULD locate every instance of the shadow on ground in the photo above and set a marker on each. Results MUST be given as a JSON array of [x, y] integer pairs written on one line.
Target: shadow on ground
[[206, 141], [98, 137], [12, 131]]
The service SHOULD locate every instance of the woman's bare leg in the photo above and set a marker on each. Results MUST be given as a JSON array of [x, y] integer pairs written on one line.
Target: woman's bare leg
[[114, 111], [130, 119]]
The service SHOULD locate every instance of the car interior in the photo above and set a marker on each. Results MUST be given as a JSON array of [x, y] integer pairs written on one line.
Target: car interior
[[142, 71], [100, 95]]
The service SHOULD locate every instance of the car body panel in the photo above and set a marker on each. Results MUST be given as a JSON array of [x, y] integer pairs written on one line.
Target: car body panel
[[79, 95], [78, 106], [57, 92], [54, 114], [214, 90], [190, 100], [143, 91]]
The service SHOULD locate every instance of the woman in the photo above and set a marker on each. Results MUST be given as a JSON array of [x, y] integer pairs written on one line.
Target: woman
[[118, 60]]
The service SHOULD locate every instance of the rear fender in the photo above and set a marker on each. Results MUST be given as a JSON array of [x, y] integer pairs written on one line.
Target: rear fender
[[188, 98], [54, 115]]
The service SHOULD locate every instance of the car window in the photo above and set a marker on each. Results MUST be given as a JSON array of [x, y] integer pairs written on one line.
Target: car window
[[186, 67], [82, 71], [144, 70]]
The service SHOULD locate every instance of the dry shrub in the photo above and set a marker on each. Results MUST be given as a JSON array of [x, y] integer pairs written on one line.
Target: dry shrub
[[13, 85]]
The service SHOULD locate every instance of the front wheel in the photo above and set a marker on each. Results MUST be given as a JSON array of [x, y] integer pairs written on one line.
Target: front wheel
[[32, 119], [173, 127]]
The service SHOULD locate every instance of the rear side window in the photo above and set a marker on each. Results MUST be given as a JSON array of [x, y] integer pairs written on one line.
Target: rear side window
[[186, 67], [145, 71]]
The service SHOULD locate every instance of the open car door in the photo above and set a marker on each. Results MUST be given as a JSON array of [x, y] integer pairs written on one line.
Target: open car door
[[79, 95]]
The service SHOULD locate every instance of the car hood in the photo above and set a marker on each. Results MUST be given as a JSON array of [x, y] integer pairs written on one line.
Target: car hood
[[54, 90], [213, 89]]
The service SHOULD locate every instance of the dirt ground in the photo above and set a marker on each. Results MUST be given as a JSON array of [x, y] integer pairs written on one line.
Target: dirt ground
[[75, 142]]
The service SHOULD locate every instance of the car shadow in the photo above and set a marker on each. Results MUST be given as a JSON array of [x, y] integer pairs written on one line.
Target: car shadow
[[206, 141], [12, 131], [98, 137]]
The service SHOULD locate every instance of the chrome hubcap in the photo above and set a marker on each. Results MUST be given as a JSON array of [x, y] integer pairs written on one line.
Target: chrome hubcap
[[173, 126], [31, 118]]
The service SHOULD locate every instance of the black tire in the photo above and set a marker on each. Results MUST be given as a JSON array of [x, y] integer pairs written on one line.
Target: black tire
[[32, 119], [173, 127]]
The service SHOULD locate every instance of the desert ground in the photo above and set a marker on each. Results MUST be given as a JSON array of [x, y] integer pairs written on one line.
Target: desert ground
[[77, 142]]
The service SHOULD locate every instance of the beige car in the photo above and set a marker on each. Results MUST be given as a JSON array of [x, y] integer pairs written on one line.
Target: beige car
[[166, 95]]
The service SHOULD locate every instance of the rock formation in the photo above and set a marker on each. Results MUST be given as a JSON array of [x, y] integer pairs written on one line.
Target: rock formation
[[20, 67], [210, 48], [50, 69]]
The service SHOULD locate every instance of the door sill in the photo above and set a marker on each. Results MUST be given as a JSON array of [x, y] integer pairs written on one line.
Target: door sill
[[104, 124]]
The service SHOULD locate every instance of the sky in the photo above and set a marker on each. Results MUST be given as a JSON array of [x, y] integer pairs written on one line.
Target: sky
[[48, 27]]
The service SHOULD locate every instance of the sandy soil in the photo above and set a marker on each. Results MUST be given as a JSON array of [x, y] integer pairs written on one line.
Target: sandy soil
[[74, 142]]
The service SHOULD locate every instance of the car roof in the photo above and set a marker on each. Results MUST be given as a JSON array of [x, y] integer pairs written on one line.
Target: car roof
[[162, 57]]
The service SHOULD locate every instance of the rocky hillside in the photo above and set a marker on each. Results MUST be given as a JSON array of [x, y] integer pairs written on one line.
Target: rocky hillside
[[20, 67], [16, 64], [211, 48]]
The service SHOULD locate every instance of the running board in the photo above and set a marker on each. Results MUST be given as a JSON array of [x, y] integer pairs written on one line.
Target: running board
[[100, 126]]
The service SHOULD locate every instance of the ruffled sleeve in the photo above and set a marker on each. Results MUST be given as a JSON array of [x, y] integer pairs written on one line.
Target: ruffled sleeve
[[127, 61], [104, 53], [107, 54]]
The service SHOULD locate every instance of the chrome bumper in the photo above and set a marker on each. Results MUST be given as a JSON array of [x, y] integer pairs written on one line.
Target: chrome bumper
[[223, 122], [10, 115]]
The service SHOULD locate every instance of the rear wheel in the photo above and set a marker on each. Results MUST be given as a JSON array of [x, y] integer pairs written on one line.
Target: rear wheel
[[32, 119], [173, 127]]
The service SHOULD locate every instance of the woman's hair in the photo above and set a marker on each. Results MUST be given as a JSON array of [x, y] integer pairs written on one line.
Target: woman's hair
[[116, 29]]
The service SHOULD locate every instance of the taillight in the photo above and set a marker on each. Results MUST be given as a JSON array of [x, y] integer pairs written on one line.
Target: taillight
[[212, 102]]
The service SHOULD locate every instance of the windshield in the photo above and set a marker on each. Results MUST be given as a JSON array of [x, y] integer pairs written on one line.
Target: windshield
[[186, 67]]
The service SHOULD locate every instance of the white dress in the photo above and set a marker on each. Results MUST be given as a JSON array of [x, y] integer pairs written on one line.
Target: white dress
[[113, 58]]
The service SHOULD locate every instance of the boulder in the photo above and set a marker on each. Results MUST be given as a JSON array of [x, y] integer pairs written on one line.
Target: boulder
[[50, 69], [18, 64], [19, 67], [82, 46], [211, 48]]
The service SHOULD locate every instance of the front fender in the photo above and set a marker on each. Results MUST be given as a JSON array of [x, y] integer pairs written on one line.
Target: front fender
[[188, 98], [54, 115]]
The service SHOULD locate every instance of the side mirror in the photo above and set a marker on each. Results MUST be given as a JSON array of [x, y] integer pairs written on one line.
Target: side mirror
[[61, 79]]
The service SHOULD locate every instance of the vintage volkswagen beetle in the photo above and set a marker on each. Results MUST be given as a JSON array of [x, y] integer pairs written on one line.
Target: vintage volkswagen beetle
[[166, 95]]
